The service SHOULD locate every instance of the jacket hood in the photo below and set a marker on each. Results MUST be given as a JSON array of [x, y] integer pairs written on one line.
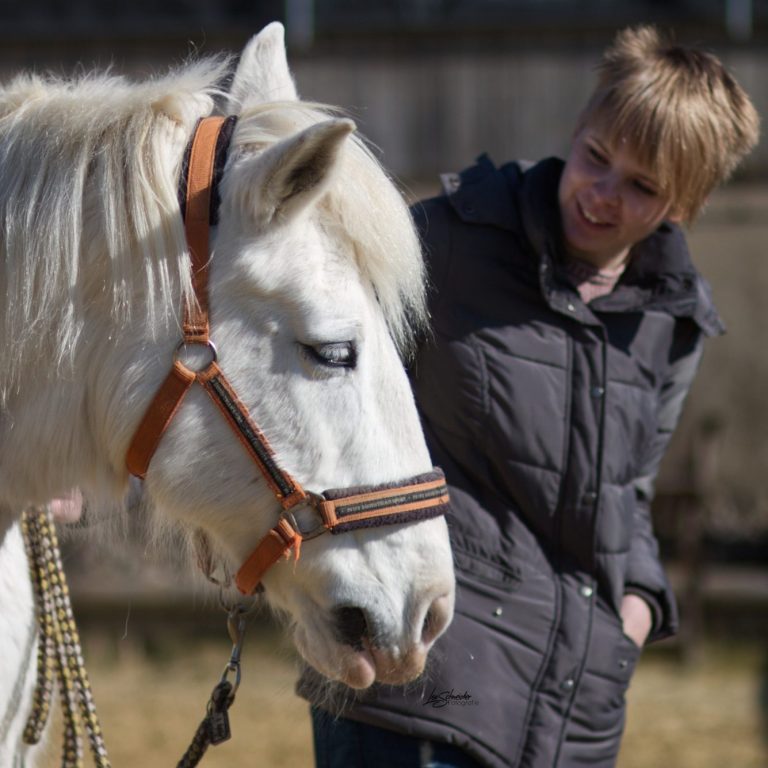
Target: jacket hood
[[523, 196]]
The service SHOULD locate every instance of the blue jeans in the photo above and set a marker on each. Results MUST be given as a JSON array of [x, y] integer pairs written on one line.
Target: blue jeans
[[342, 743]]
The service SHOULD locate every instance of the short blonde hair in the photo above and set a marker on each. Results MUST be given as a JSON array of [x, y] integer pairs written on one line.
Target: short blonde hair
[[684, 115]]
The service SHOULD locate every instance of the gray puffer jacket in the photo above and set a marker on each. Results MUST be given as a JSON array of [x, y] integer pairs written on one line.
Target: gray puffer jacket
[[550, 418]]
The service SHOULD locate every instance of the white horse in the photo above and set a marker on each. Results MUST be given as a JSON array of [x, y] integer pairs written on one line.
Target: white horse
[[316, 284]]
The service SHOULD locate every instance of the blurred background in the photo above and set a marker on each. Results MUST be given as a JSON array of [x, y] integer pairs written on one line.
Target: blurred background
[[433, 83]]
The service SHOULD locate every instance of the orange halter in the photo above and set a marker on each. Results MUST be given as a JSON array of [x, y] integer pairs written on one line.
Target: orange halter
[[335, 511]]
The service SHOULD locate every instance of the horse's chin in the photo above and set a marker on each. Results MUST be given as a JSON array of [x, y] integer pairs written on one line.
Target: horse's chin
[[364, 668], [360, 668]]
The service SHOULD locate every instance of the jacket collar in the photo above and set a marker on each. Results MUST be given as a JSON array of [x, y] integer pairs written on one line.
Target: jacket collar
[[660, 275]]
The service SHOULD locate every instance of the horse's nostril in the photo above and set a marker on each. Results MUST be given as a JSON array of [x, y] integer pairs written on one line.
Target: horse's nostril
[[437, 619], [351, 626]]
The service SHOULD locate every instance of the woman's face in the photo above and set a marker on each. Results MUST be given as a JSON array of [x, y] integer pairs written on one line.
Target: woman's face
[[608, 200]]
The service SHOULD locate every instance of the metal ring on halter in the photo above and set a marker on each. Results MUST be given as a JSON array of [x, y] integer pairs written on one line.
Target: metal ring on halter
[[311, 502], [183, 344], [238, 607]]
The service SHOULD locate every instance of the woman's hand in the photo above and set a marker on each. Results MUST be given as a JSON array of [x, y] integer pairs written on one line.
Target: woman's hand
[[637, 618], [67, 509]]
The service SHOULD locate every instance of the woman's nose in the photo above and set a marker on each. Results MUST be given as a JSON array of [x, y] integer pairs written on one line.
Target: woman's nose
[[608, 190]]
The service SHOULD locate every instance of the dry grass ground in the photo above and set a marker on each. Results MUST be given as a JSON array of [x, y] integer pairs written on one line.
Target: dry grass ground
[[704, 715], [151, 704]]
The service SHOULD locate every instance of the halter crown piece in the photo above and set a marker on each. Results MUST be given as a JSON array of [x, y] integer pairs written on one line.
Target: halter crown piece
[[335, 511]]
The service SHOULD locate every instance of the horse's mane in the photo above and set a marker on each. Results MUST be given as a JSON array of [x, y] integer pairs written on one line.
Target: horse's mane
[[85, 170]]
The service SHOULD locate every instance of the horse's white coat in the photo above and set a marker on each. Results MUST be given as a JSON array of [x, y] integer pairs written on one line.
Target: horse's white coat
[[18, 644], [314, 247]]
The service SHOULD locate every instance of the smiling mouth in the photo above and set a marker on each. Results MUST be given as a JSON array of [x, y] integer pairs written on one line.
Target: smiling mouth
[[591, 218]]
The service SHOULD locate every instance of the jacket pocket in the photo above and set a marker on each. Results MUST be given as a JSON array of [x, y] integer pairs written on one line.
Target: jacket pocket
[[496, 647], [493, 570], [513, 607], [599, 706]]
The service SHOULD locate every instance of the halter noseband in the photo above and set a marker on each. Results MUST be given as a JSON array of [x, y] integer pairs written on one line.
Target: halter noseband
[[304, 515]]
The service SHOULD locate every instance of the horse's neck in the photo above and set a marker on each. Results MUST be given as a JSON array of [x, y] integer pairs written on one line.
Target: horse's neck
[[44, 442], [51, 438], [57, 426]]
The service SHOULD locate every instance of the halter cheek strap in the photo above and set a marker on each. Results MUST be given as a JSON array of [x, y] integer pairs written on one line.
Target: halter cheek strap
[[304, 515]]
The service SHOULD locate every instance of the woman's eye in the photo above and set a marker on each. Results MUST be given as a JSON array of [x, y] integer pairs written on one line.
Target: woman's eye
[[334, 354], [646, 189], [597, 156]]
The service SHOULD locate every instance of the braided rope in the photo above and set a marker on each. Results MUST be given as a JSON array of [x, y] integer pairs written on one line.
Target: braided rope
[[197, 747], [59, 654], [214, 727], [59, 649], [41, 699]]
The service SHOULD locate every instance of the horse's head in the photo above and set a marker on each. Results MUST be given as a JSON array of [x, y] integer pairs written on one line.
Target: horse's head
[[315, 285]]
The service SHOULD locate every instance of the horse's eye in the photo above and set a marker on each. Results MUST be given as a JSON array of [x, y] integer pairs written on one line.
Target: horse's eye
[[334, 354]]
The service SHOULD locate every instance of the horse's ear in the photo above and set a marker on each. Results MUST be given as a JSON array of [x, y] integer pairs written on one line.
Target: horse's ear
[[289, 176], [262, 74]]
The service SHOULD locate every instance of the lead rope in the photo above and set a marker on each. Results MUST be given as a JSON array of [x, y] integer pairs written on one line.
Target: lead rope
[[214, 727], [60, 658], [59, 651]]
